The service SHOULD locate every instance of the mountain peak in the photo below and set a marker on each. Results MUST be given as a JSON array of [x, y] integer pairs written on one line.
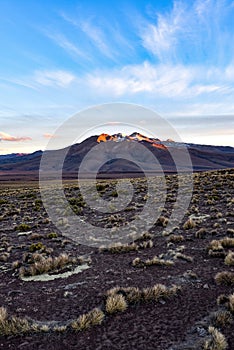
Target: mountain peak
[[136, 136]]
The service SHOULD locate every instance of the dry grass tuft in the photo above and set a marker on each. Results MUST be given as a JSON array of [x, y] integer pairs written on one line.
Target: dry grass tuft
[[85, 321], [60, 329], [137, 262], [230, 231], [120, 248], [183, 257], [215, 249], [231, 302], [225, 278], [135, 295], [12, 325], [201, 233], [227, 242], [41, 264], [222, 318], [116, 303], [125, 248], [189, 224], [146, 244], [162, 221], [229, 260], [156, 292], [175, 238], [217, 340], [159, 291]]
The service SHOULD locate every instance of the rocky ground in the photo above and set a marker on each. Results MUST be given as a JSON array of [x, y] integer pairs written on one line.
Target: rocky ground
[[168, 283]]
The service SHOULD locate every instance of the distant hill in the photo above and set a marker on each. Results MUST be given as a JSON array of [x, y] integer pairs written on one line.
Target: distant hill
[[203, 157]]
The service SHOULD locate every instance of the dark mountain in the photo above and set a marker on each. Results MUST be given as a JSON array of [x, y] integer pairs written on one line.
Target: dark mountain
[[167, 153]]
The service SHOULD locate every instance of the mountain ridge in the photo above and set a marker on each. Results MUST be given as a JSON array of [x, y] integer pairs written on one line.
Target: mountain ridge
[[203, 157]]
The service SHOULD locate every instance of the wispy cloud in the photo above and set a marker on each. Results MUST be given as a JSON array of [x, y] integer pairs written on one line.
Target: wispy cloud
[[54, 78], [98, 38], [71, 48], [194, 31], [49, 136], [95, 34], [19, 82], [164, 80], [6, 137], [161, 38]]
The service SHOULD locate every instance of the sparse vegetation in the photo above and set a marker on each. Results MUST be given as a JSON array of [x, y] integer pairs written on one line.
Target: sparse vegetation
[[52, 235], [160, 256], [37, 246]]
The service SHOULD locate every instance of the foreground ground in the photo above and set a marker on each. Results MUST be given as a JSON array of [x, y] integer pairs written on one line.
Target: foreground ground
[[48, 303]]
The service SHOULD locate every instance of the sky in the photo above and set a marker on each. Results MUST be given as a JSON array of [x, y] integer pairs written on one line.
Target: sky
[[60, 57]]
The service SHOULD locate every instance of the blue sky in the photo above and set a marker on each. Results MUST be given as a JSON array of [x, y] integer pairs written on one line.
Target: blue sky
[[60, 57]]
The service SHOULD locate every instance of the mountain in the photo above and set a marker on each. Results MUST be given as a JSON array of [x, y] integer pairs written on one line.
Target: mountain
[[203, 157]]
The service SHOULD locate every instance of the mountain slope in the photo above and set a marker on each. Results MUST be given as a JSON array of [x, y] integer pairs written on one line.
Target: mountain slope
[[203, 157]]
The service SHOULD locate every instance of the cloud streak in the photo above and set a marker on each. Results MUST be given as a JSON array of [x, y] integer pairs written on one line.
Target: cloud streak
[[54, 78], [7, 137], [49, 136], [66, 44]]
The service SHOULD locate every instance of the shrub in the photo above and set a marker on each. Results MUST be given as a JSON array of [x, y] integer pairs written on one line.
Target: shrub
[[101, 186], [36, 246], [52, 235], [23, 227]]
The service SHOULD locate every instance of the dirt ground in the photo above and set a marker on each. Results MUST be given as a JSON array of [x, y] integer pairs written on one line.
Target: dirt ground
[[178, 322]]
